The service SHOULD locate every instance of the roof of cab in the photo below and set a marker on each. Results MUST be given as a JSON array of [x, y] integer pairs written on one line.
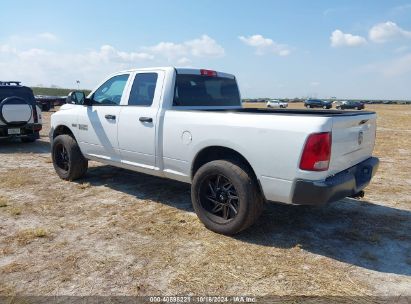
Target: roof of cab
[[195, 71]]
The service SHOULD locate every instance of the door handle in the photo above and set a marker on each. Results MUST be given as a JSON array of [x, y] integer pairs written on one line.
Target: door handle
[[146, 119], [109, 116]]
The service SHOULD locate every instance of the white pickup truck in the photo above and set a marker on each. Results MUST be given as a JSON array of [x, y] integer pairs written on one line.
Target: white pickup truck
[[189, 125]]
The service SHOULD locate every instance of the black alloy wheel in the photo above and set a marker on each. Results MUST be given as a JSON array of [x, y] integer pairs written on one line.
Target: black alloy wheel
[[62, 158], [219, 197]]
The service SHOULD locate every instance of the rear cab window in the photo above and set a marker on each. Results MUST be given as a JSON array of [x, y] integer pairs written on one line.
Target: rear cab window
[[210, 90]]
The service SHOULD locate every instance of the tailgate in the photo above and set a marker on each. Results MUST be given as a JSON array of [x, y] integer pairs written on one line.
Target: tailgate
[[353, 139]]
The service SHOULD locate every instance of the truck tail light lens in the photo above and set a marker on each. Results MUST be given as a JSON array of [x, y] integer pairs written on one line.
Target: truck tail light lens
[[317, 152], [209, 73]]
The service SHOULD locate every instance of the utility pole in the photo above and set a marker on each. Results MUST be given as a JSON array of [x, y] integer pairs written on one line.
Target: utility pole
[[78, 84]]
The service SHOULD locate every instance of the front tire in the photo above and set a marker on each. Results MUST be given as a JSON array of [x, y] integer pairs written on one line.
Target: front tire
[[68, 161], [226, 197]]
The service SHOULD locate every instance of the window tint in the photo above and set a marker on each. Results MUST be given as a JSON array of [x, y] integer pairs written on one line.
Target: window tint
[[198, 90], [142, 91], [111, 91]]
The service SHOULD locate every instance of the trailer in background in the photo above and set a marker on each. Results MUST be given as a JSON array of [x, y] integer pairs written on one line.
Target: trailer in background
[[49, 102]]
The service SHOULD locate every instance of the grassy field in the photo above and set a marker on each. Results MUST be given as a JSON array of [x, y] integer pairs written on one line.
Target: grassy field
[[121, 233], [54, 91]]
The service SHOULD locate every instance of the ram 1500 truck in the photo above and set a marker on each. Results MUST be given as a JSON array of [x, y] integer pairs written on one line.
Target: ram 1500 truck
[[189, 125]]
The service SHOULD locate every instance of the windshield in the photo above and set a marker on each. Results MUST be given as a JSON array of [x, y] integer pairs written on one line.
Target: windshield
[[198, 90]]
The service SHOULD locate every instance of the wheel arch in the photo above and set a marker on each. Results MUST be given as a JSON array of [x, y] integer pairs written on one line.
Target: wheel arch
[[63, 129], [217, 152]]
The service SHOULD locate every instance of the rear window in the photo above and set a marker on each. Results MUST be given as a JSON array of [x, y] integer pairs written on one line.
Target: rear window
[[197, 90], [11, 91]]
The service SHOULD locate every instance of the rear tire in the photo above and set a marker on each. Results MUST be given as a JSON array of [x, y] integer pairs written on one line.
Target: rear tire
[[226, 197], [68, 161]]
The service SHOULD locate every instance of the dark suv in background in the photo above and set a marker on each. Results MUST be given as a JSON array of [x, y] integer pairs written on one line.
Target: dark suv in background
[[317, 103], [20, 117], [350, 104]]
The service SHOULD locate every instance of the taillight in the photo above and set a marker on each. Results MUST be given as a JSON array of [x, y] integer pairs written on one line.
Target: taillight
[[36, 120], [317, 152], [208, 73]]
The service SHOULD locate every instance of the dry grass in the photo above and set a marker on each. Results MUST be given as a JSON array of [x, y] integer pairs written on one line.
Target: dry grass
[[15, 211], [12, 267], [18, 177], [121, 233], [3, 202], [27, 236], [84, 185]]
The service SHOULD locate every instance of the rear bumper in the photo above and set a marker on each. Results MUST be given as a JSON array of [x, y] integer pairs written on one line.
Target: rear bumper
[[26, 130], [336, 187]]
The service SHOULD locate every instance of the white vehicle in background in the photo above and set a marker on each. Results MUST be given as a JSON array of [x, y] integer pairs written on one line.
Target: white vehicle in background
[[189, 125], [275, 103], [20, 117]]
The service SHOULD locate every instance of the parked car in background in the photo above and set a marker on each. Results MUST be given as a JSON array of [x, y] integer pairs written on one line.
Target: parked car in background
[[275, 103], [20, 117], [317, 103], [350, 104]]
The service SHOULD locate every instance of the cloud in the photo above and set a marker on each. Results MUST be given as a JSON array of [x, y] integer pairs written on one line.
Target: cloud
[[39, 65], [265, 45], [200, 47], [108, 53], [315, 83], [184, 61], [340, 39], [32, 64], [387, 31]]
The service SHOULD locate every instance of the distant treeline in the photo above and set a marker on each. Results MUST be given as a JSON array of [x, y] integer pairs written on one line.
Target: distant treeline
[[54, 91]]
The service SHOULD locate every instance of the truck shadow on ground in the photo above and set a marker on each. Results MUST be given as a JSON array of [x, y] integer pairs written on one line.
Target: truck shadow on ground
[[356, 232], [12, 146]]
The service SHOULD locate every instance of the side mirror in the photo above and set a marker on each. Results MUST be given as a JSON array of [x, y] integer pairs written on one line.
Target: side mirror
[[76, 97]]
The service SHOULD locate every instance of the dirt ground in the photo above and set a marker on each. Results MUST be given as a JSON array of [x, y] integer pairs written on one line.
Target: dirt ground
[[122, 233]]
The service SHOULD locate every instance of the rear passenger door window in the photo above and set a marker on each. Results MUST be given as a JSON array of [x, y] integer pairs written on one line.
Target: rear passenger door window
[[142, 91]]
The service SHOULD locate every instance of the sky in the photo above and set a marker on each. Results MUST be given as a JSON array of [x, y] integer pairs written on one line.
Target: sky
[[278, 49]]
